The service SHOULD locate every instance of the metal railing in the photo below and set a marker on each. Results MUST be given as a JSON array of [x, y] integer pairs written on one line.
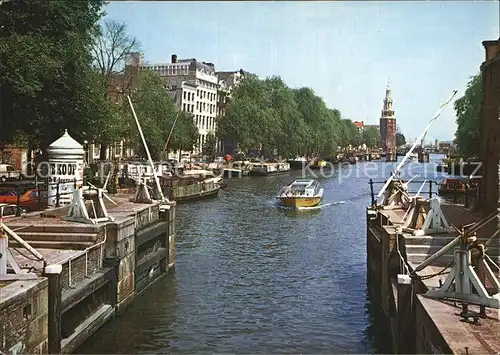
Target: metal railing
[[430, 192], [85, 253]]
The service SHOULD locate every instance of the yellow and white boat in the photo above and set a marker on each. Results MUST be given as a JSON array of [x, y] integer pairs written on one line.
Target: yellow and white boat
[[301, 193]]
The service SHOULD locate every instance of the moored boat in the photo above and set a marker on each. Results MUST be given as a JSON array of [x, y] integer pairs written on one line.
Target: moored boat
[[265, 169], [297, 163], [190, 187], [301, 193], [236, 170]]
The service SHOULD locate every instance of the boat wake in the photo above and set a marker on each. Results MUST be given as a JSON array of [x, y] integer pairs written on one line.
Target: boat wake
[[318, 207], [321, 205]]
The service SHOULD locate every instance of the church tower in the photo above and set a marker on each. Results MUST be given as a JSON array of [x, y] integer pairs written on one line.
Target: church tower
[[388, 127]]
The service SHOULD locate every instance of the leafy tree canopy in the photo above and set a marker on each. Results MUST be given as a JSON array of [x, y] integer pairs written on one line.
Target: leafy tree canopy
[[267, 114], [46, 77], [157, 114], [468, 110]]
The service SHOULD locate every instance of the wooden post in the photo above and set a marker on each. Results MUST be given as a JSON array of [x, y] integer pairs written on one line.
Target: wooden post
[[404, 319], [53, 273], [372, 193]]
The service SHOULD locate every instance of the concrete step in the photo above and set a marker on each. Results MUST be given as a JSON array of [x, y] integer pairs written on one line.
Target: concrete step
[[53, 244], [438, 239], [58, 237], [425, 249], [54, 228], [419, 258]]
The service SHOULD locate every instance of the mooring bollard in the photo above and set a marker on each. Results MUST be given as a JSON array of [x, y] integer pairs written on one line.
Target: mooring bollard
[[372, 193], [58, 196]]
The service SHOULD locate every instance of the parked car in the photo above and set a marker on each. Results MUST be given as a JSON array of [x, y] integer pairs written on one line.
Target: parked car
[[28, 199], [7, 171], [10, 210]]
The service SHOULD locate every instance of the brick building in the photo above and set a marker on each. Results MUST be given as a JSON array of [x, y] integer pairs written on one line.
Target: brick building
[[490, 126], [15, 156], [388, 127]]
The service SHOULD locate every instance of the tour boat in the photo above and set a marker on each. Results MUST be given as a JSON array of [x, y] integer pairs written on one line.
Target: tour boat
[[301, 193]]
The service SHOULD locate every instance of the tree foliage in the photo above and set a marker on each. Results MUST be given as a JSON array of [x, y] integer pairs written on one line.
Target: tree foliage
[[46, 78], [156, 114], [110, 45], [208, 148], [267, 114], [468, 110], [371, 137]]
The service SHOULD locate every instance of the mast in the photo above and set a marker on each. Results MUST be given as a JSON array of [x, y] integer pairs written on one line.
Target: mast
[[170, 133], [147, 151], [405, 158]]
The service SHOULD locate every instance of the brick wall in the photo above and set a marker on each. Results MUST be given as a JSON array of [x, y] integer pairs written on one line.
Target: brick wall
[[388, 134], [24, 319], [490, 133]]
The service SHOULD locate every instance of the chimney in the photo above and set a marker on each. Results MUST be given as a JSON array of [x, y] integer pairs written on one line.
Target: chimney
[[174, 58], [492, 49]]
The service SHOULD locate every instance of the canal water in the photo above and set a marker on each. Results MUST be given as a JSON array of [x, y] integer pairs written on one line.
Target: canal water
[[252, 277]]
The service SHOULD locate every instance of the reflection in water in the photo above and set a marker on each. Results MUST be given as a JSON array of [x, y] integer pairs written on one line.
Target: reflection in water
[[251, 277]]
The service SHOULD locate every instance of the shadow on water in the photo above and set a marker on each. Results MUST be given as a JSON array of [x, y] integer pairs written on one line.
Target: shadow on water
[[378, 331]]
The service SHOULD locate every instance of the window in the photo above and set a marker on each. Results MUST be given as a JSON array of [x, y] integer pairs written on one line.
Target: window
[[33, 195], [7, 193], [185, 95], [184, 107]]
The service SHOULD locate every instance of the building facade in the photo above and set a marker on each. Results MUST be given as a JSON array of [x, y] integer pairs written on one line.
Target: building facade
[[194, 87], [490, 126], [388, 127]]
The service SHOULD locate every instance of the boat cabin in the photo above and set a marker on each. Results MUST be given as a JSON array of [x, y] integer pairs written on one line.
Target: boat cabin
[[302, 187]]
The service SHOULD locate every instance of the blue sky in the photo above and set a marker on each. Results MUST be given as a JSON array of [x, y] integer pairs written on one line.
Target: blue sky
[[344, 51]]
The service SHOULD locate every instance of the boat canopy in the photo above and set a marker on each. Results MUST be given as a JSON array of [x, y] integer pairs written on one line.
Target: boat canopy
[[303, 185]]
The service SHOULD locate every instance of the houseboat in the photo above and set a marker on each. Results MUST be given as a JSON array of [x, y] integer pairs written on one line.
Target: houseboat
[[297, 163], [237, 169], [190, 187], [265, 169], [301, 193]]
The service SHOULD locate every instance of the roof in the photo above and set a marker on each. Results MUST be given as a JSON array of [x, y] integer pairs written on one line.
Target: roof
[[359, 124], [303, 182]]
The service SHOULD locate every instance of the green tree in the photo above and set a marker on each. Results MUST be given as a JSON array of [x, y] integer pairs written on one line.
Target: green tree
[[270, 115], [400, 139], [371, 137], [185, 134], [156, 113], [46, 77], [468, 110], [208, 148], [111, 43]]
